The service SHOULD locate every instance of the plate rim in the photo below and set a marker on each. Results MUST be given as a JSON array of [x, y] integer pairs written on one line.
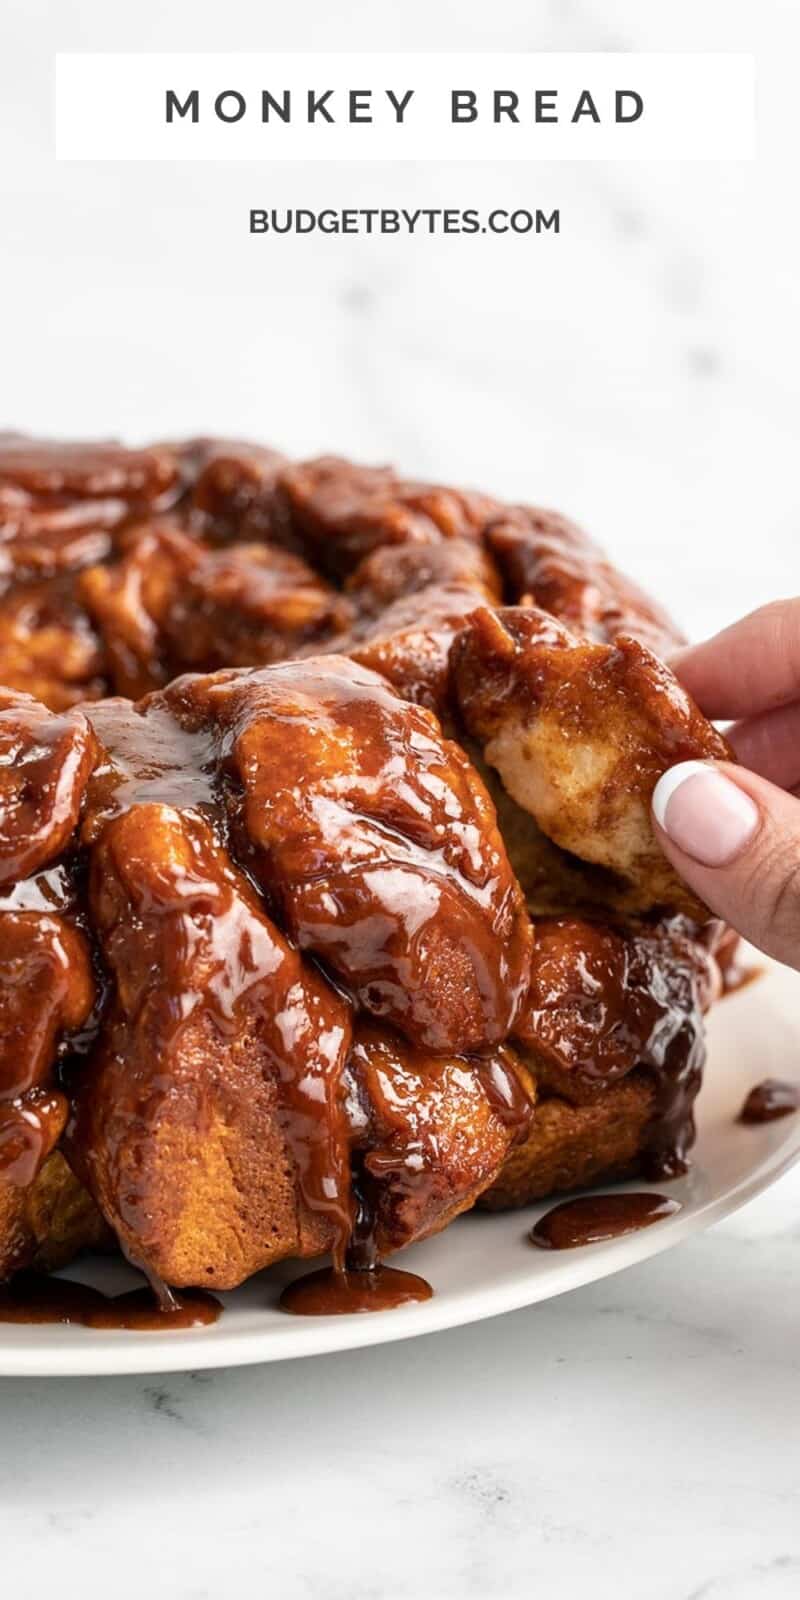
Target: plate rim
[[186, 1350]]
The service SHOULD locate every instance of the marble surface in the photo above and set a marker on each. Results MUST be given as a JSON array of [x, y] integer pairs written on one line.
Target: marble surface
[[638, 1437], [638, 371]]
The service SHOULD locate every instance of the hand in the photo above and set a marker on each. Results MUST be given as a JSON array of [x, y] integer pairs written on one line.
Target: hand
[[733, 832]]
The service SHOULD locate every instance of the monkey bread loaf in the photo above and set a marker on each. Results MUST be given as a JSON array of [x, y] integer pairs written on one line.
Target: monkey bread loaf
[[329, 899]]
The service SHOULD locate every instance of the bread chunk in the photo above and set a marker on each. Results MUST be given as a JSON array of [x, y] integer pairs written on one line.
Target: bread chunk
[[579, 734]]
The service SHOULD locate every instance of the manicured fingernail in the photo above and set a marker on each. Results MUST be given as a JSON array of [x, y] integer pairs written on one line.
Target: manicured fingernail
[[703, 813]]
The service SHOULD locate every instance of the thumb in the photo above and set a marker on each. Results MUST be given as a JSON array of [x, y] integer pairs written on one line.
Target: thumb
[[735, 839]]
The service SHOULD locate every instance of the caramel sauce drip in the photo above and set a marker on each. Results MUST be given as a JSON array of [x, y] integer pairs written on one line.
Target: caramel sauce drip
[[369, 838], [186, 936], [328, 1293], [30, 1127], [604, 1001], [596, 1218], [318, 793], [48, 984], [770, 1100], [34, 1297]]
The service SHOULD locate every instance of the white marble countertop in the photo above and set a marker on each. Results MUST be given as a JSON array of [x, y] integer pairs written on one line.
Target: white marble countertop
[[640, 1437]]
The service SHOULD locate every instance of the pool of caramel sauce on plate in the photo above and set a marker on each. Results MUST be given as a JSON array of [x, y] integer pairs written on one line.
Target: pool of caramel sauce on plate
[[34, 1297], [769, 1100], [328, 1293], [595, 1218]]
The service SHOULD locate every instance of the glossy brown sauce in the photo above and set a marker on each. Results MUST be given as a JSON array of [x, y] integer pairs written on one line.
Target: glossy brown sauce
[[148, 758], [157, 821], [549, 562], [595, 1218], [506, 1094], [369, 832], [34, 1297], [770, 1100], [604, 1001], [379, 868], [30, 1127], [328, 1293], [48, 987]]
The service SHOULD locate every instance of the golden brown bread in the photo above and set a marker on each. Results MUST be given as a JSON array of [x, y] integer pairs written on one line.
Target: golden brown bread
[[579, 734], [172, 603], [429, 1132], [573, 1147], [340, 512], [222, 1109], [220, 1050], [612, 1033], [550, 563], [412, 601], [375, 840], [45, 761], [47, 1223], [185, 1130], [48, 647]]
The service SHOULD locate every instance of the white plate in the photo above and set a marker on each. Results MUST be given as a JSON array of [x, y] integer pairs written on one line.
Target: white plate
[[483, 1264]]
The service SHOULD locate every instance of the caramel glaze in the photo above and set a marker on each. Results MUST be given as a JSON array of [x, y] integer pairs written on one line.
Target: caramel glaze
[[412, 600], [375, 841], [426, 1135], [770, 1100], [579, 733], [328, 1293], [155, 819], [171, 603], [549, 562], [45, 761], [595, 1218], [33, 469], [30, 1127], [34, 1297], [603, 1001], [430, 930], [385, 862], [407, 1114], [341, 512], [232, 489], [48, 989], [281, 778]]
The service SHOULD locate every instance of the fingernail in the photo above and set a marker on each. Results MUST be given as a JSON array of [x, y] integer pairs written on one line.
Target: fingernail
[[703, 813]]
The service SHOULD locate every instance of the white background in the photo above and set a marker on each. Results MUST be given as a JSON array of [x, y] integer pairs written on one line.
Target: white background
[[641, 371]]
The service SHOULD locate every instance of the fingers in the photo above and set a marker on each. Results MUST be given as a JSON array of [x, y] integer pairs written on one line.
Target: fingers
[[750, 667], [735, 839], [733, 833], [770, 745]]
